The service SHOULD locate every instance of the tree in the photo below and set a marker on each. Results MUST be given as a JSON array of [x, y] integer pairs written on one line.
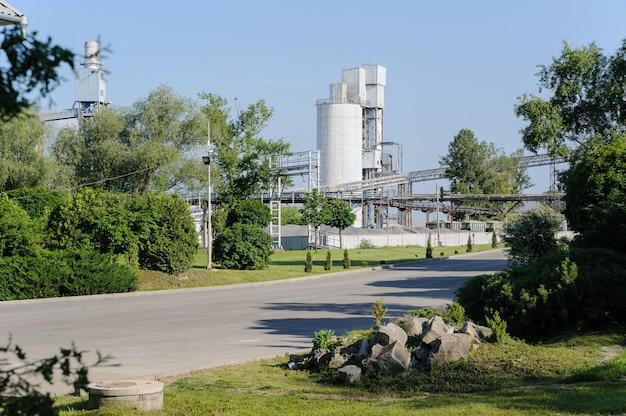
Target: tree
[[22, 163], [148, 147], [478, 167], [337, 213], [586, 92], [240, 158], [532, 235], [312, 211], [291, 215], [249, 211], [18, 236], [27, 65], [595, 194]]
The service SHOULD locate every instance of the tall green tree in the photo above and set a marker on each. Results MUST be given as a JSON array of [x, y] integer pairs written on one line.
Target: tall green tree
[[151, 146], [26, 66], [22, 162], [337, 213], [478, 167], [595, 193], [312, 212], [582, 95], [240, 158]]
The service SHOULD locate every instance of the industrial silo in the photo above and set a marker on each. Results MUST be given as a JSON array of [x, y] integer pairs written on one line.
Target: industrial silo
[[339, 139]]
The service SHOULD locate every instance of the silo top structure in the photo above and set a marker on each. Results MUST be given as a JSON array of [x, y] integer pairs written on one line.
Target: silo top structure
[[350, 126], [90, 87]]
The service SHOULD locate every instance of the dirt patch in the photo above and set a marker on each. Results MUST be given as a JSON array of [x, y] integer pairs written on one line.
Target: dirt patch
[[608, 352]]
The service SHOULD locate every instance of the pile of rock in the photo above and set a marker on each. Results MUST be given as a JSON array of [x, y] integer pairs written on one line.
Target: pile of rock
[[386, 352]]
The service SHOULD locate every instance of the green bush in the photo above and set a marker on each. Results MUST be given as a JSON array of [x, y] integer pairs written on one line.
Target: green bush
[[63, 273], [243, 247], [379, 310], [325, 338], [455, 314], [249, 211], [328, 264], [36, 201], [308, 263], [429, 250], [365, 244], [167, 237], [470, 245], [563, 290], [497, 326], [346, 259], [18, 235]]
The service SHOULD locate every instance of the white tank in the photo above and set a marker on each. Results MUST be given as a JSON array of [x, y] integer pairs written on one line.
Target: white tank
[[92, 55], [339, 140]]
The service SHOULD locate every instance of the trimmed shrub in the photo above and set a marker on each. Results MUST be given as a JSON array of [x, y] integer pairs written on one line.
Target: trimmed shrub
[[346, 259], [63, 273], [243, 247], [470, 245], [328, 264], [167, 238], [429, 250], [18, 236], [308, 263], [36, 201]]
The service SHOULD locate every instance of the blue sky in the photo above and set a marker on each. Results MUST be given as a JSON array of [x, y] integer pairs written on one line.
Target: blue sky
[[450, 64]]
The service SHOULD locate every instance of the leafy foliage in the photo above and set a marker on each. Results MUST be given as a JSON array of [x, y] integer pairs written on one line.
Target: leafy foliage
[[497, 326], [249, 211], [240, 162], [337, 213], [168, 240], [563, 290], [429, 249], [346, 259], [595, 196], [28, 65], [243, 247], [325, 338], [18, 234], [312, 212], [586, 98], [532, 235], [36, 201], [21, 379], [63, 273], [469, 247]]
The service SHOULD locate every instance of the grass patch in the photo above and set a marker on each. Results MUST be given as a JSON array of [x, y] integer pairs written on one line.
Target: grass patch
[[512, 378], [286, 265]]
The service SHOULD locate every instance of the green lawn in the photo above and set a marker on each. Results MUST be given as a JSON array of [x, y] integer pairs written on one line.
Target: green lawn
[[290, 264]]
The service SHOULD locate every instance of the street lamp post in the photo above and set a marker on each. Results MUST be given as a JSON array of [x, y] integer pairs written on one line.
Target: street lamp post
[[207, 161]]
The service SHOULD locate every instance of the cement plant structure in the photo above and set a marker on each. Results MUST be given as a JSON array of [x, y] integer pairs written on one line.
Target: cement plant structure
[[352, 161]]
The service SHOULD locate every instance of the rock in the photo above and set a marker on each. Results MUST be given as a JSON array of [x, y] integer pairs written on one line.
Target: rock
[[392, 359], [364, 351], [477, 332], [389, 334], [337, 360], [434, 329], [349, 375], [449, 347], [319, 357]]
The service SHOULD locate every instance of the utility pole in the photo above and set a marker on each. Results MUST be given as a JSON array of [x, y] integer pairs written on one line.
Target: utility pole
[[207, 161]]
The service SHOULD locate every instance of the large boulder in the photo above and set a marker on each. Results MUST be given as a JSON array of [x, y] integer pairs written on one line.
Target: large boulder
[[449, 347], [349, 375], [434, 329], [392, 359], [389, 334]]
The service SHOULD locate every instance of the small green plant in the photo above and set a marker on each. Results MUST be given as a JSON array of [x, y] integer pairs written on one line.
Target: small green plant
[[379, 310], [498, 326], [429, 250], [456, 251], [363, 264], [328, 264], [365, 243], [470, 246], [423, 312], [325, 338], [442, 254], [455, 314], [308, 264], [494, 239], [346, 259]]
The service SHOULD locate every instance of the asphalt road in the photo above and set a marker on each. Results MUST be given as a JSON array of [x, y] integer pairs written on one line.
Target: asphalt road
[[156, 334]]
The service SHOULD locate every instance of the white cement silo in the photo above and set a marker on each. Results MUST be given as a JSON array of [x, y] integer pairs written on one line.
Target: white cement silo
[[339, 140]]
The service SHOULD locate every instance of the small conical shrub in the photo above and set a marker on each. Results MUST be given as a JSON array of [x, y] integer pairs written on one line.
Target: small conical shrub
[[470, 246], [429, 250], [346, 260], [308, 264], [328, 264]]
